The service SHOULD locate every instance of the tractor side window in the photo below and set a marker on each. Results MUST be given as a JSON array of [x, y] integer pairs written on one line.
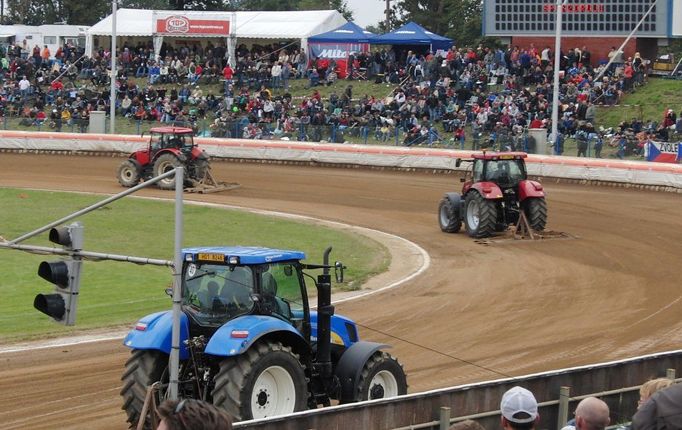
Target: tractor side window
[[478, 171], [156, 142], [281, 290]]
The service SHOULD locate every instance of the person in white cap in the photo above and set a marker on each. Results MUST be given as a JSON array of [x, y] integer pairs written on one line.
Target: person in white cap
[[519, 409]]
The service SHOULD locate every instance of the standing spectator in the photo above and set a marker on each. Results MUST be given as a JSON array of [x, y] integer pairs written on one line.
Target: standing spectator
[[24, 87], [286, 74], [519, 409], [662, 411], [590, 414], [302, 63], [191, 414], [276, 74]]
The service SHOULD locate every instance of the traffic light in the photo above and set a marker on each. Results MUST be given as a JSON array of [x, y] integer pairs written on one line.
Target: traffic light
[[64, 274]]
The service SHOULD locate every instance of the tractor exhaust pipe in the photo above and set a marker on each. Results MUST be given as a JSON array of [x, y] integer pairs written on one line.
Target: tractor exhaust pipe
[[325, 310]]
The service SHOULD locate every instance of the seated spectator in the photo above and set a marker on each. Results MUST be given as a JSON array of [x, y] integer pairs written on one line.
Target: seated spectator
[[663, 410], [519, 409], [192, 414], [590, 414], [314, 77]]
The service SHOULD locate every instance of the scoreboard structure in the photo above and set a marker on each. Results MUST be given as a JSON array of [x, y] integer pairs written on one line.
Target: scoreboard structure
[[519, 21], [597, 18]]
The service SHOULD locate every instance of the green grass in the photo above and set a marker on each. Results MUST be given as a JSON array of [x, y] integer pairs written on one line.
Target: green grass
[[115, 293], [646, 103]]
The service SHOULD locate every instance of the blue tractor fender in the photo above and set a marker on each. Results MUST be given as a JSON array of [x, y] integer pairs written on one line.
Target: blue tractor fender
[[236, 336], [154, 332], [343, 330], [350, 367], [455, 200]]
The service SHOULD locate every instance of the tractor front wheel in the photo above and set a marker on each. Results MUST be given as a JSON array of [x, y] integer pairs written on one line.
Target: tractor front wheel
[[448, 218], [143, 368], [382, 377], [536, 212], [129, 173], [481, 215], [265, 381], [165, 163]]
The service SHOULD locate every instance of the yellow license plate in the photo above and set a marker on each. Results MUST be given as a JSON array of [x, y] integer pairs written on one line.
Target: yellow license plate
[[211, 257], [506, 157]]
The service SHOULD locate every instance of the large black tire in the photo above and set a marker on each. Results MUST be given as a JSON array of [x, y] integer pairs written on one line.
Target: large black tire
[[163, 164], [265, 381], [480, 215], [143, 368], [382, 377], [536, 212], [448, 218], [129, 173]]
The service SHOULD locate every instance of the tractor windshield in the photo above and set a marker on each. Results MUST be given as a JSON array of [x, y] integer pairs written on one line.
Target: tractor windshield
[[160, 141], [506, 173], [215, 293]]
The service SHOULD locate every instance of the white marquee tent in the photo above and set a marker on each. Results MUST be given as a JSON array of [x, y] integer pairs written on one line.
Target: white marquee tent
[[242, 25]]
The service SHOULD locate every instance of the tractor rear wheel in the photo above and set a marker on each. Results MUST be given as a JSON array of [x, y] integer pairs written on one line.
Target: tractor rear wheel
[[448, 218], [536, 212], [265, 381], [129, 173], [163, 164], [480, 215], [143, 368], [382, 377]]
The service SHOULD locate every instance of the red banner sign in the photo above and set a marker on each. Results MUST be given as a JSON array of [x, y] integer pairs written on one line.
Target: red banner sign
[[181, 25], [569, 8]]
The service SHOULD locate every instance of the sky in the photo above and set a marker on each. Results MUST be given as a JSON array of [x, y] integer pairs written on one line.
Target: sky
[[367, 12]]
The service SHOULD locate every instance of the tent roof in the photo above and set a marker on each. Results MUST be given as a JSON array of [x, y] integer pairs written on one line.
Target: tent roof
[[250, 24], [413, 34], [348, 32]]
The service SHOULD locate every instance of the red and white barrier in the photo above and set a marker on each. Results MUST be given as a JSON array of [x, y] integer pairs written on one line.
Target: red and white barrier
[[584, 169]]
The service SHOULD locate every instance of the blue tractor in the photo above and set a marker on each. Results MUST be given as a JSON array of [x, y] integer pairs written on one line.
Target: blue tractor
[[250, 342]]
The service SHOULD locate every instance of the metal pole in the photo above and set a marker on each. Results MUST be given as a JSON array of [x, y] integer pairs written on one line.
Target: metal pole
[[557, 68], [112, 94], [174, 361], [388, 15], [627, 39]]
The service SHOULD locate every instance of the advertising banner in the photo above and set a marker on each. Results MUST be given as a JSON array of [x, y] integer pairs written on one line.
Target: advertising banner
[[180, 25], [339, 52], [664, 152]]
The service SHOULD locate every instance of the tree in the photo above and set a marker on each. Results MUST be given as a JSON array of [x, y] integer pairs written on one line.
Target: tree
[[460, 20]]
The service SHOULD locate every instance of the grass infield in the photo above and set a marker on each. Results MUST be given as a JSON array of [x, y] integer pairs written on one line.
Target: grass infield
[[116, 293]]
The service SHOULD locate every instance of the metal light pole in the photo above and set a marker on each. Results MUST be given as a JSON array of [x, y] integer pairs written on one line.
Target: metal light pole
[[112, 93], [557, 67]]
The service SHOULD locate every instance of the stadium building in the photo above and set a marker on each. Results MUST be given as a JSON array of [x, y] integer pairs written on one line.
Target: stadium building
[[595, 24]]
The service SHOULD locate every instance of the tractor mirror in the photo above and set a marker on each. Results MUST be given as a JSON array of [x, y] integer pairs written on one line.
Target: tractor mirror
[[169, 292], [288, 270], [458, 162], [462, 180], [338, 271]]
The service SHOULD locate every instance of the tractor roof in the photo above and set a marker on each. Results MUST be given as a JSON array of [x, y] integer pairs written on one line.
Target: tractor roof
[[488, 155], [246, 254], [172, 130]]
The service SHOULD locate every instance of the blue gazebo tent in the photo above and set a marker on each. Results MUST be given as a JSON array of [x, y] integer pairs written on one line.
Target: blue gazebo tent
[[413, 34], [349, 32], [339, 44]]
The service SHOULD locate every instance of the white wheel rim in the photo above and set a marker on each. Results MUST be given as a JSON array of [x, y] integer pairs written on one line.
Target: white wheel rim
[[473, 214], [383, 385], [444, 216], [273, 394]]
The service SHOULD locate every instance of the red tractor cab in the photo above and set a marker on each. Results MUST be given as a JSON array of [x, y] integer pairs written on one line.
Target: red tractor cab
[[169, 147], [495, 192]]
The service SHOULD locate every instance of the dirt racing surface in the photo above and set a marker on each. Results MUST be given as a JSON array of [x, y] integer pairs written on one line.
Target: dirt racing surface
[[479, 312]]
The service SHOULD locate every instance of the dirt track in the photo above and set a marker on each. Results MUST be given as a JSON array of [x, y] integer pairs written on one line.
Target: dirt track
[[479, 313]]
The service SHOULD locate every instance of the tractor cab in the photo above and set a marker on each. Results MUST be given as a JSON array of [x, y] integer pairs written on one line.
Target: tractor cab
[[225, 283], [506, 169], [179, 138]]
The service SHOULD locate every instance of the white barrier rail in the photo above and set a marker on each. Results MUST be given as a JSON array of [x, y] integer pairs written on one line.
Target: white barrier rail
[[581, 169]]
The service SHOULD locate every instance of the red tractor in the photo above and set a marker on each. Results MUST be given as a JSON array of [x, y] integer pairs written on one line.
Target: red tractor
[[495, 193], [169, 147]]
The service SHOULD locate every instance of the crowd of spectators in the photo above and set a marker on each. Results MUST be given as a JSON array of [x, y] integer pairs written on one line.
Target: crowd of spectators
[[492, 95]]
